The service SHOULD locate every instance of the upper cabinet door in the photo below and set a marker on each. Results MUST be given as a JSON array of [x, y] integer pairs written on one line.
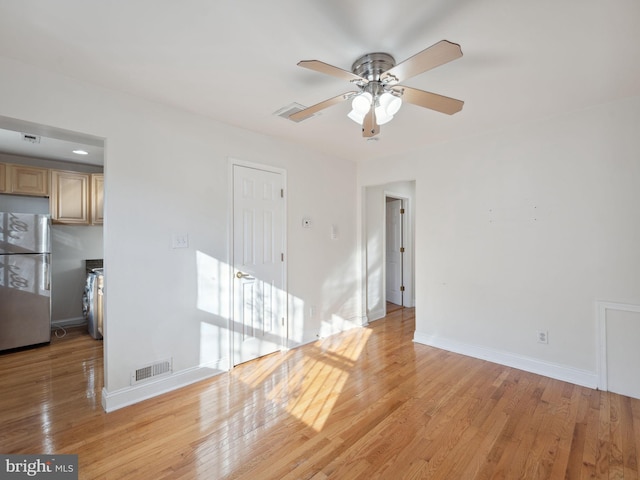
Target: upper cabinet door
[[97, 199], [69, 197], [25, 180], [3, 178]]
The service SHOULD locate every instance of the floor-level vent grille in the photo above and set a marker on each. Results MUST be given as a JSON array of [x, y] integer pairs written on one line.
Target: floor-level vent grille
[[151, 371]]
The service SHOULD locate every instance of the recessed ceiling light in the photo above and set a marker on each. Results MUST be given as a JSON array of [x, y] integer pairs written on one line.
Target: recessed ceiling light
[[80, 152]]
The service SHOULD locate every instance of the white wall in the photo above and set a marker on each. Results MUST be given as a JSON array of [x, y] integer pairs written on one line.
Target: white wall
[[70, 247], [166, 172], [523, 230]]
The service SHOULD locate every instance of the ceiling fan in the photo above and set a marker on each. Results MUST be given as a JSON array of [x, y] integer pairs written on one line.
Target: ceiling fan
[[380, 95]]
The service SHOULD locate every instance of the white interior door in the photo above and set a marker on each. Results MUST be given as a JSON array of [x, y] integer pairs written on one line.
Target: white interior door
[[258, 256], [393, 251]]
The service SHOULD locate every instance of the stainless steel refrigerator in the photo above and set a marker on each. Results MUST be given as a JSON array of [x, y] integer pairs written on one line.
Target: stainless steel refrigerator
[[25, 280]]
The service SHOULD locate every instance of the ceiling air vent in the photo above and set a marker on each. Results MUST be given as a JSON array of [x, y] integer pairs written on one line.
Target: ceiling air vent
[[284, 112], [31, 138]]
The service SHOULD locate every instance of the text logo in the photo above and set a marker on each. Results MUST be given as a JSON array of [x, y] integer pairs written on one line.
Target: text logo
[[50, 467]]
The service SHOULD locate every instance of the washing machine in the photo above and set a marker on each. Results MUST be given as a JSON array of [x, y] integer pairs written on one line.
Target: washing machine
[[92, 302]]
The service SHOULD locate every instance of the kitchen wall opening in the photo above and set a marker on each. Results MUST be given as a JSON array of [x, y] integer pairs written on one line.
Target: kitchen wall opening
[[58, 174]]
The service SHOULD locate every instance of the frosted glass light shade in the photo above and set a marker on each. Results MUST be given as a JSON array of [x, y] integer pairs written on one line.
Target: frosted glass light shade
[[382, 116], [390, 103], [356, 116], [362, 103]]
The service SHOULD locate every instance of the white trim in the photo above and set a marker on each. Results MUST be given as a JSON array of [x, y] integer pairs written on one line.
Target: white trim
[[565, 373], [313, 335], [128, 396], [602, 307], [362, 244], [376, 314], [66, 322]]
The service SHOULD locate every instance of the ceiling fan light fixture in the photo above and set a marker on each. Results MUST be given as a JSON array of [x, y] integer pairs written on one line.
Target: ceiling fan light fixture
[[380, 79], [362, 103], [382, 116], [390, 102], [356, 116]]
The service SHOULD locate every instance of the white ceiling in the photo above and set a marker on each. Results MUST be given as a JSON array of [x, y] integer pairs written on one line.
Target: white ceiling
[[29, 140], [235, 60]]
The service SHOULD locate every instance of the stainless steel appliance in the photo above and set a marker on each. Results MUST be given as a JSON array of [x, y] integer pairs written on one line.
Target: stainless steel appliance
[[92, 301], [25, 280]]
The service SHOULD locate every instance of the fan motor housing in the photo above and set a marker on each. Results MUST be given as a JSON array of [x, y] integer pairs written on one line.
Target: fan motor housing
[[372, 65]]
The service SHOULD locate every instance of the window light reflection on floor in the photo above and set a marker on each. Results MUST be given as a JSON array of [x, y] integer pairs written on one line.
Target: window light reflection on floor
[[324, 369]]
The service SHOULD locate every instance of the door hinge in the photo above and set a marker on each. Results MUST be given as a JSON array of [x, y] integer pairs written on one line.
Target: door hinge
[[402, 211], [283, 321], [282, 257], [401, 249], [282, 193], [402, 288]]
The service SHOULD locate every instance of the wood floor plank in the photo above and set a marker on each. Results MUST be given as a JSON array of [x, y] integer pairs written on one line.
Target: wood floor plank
[[365, 404], [635, 417], [616, 458], [629, 454]]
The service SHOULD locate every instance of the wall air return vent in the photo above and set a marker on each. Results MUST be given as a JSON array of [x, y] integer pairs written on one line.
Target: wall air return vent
[[153, 370]]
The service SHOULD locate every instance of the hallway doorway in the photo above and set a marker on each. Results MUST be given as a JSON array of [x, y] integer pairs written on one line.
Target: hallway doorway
[[388, 246]]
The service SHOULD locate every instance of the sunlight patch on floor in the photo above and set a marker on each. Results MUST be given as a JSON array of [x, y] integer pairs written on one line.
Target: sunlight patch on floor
[[311, 390]]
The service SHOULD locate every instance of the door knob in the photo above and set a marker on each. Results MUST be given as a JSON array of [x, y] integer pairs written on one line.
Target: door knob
[[243, 275]]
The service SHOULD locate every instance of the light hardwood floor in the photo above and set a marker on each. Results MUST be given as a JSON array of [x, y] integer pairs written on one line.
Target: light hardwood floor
[[365, 404]]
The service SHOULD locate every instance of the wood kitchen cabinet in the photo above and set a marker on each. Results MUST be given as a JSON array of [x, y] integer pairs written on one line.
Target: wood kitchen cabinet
[[69, 200], [75, 198], [3, 178], [24, 180], [97, 199]]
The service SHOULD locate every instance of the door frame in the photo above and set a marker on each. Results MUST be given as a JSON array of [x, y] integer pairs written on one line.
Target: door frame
[[401, 225], [601, 352], [407, 258], [372, 213], [231, 163]]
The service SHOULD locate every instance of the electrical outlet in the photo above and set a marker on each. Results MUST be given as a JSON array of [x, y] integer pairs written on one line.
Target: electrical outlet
[[543, 336]]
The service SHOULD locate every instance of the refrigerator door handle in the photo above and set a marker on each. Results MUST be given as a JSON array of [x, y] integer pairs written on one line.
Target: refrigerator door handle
[[47, 277]]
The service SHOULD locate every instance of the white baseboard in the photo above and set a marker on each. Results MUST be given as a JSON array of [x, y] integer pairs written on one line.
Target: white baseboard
[[65, 322], [128, 396], [376, 315], [311, 336], [573, 375], [339, 324]]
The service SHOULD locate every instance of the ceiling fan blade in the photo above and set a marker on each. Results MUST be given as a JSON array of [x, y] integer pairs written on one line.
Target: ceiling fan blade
[[327, 69], [309, 111], [370, 127], [431, 57], [433, 101]]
